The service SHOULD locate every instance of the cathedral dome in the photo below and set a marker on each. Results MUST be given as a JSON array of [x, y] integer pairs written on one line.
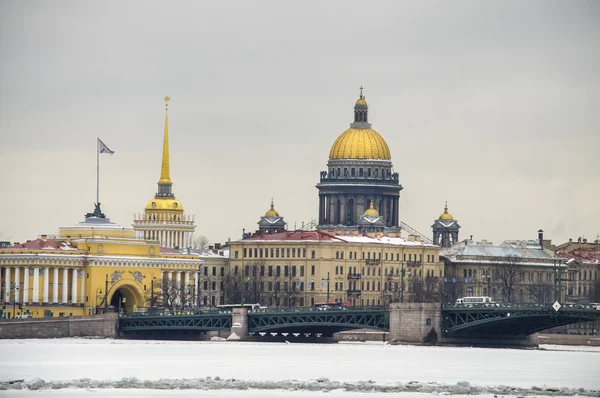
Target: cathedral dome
[[357, 143], [164, 204], [360, 141], [445, 215]]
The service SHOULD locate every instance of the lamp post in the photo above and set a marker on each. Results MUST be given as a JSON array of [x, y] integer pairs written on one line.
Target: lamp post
[[152, 292], [106, 295], [16, 296], [402, 271], [326, 280]]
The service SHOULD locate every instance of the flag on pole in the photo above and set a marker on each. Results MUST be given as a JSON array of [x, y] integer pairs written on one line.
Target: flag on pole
[[102, 148]]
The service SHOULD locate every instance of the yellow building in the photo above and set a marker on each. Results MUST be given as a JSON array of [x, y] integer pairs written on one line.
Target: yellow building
[[97, 265], [164, 219]]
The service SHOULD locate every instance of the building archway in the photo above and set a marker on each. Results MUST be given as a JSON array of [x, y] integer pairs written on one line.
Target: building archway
[[126, 297]]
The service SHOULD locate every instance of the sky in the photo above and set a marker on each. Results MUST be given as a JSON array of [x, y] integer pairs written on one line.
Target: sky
[[492, 106]]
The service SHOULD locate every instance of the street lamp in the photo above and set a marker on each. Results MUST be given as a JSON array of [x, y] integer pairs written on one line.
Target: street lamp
[[16, 296], [326, 280], [402, 271]]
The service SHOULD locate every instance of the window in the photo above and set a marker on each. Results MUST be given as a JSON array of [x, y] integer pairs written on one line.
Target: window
[[312, 285], [277, 252], [245, 255], [302, 270], [428, 322], [336, 286], [336, 269], [304, 253], [342, 255], [286, 270], [270, 270], [222, 271], [247, 270], [214, 271], [272, 252], [341, 270], [278, 270], [469, 292], [341, 285], [294, 252], [236, 254], [262, 270], [261, 253], [313, 254], [205, 271], [293, 270], [312, 270], [288, 252]]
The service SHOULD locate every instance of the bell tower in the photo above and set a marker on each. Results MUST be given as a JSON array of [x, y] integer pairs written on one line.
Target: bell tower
[[445, 229]]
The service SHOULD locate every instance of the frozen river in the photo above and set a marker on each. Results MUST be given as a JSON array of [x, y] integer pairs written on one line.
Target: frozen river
[[126, 368]]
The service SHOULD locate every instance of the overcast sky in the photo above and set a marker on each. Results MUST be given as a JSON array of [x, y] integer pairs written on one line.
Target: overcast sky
[[493, 106]]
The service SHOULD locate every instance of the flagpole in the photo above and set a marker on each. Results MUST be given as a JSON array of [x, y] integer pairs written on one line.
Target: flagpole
[[97, 170]]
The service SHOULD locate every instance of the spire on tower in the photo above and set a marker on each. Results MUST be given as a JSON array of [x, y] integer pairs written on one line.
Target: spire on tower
[[164, 184]]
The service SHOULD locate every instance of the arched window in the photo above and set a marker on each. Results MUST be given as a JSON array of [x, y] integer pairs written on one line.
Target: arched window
[[470, 273], [469, 292], [465, 273]]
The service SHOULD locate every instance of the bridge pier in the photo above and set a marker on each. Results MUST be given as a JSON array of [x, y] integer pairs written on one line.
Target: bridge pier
[[239, 323], [415, 322]]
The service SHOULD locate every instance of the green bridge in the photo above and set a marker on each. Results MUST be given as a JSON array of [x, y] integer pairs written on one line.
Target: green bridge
[[454, 322]]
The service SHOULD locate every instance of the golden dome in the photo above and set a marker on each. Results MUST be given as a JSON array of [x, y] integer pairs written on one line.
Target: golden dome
[[371, 211], [361, 101], [360, 144], [446, 215], [164, 204], [272, 212]]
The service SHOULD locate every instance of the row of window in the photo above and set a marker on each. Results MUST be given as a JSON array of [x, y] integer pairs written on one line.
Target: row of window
[[274, 252], [386, 256], [301, 253], [273, 270], [360, 173]]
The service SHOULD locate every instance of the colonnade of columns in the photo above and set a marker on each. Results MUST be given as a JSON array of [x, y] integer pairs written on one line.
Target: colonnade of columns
[[335, 209], [167, 238], [19, 292]]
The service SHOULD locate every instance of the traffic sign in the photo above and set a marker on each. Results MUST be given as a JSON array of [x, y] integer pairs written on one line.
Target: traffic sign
[[556, 306]]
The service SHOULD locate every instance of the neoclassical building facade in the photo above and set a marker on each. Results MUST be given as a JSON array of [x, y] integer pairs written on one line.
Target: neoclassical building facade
[[164, 219], [90, 267], [359, 172]]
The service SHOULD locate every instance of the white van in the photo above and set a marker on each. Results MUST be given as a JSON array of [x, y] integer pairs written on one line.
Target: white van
[[483, 301]]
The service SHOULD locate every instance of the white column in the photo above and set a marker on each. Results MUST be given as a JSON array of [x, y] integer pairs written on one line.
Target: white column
[[65, 286], [26, 285], [17, 285], [7, 285], [187, 287], [74, 287], [55, 286], [45, 291], [35, 295], [81, 274], [179, 287], [196, 283]]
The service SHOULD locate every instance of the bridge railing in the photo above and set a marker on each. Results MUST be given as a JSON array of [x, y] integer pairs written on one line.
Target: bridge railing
[[591, 306], [318, 309]]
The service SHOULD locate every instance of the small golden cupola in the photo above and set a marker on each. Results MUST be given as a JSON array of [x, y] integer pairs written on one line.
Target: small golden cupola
[[371, 211], [445, 215], [272, 212]]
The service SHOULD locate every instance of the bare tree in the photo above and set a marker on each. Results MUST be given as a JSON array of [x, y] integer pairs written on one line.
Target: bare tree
[[173, 295], [200, 242], [509, 275], [255, 286], [541, 293]]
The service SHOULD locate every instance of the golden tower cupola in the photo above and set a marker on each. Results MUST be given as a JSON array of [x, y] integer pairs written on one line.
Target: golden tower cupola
[[445, 215], [371, 211], [360, 141], [272, 212]]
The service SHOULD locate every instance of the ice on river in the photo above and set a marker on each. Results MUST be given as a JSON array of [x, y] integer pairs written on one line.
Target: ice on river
[[114, 367]]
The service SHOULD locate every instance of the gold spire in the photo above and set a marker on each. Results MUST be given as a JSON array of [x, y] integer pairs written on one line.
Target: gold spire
[[165, 171], [272, 212], [446, 215], [371, 211]]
